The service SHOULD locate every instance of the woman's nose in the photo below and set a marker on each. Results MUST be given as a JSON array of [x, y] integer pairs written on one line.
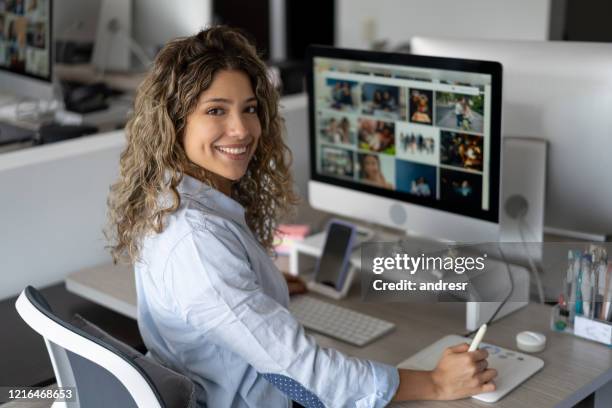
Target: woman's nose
[[237, 126]]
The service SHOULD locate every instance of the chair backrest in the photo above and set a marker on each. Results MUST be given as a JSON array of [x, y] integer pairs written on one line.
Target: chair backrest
[[102, 375]]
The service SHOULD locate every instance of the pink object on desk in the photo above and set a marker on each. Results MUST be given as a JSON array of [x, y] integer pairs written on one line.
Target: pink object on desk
[[287, 234]]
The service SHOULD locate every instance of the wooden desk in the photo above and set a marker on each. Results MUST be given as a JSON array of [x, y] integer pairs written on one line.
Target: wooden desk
[[574, 369]]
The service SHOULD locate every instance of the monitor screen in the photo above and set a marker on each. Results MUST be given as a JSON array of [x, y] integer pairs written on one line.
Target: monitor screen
[[25, 37], [420, 129]]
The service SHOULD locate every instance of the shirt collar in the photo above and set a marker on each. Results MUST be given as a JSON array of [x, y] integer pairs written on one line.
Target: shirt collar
[[212, 199]]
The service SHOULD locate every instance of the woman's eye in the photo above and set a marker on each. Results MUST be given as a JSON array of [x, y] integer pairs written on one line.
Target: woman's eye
[[215, 111], [251, 109]]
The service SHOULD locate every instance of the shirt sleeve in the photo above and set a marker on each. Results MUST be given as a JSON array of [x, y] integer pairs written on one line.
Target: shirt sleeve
[[218, 294]]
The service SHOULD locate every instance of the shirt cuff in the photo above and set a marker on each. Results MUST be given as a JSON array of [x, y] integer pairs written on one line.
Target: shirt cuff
[[386, 380]]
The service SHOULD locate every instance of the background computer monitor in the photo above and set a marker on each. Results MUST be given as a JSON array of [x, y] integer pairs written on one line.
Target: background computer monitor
[[388, 147], [25, 48], [158, 21], [561, 92], [131, 32], [281, 29]]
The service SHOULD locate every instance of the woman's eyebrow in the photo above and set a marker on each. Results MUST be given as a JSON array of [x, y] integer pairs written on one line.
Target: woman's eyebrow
[[225, 100], [217, 100]]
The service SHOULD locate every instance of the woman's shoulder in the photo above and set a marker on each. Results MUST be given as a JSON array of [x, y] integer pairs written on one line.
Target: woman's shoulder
[[194, 218], [200, 220], [187, 232]]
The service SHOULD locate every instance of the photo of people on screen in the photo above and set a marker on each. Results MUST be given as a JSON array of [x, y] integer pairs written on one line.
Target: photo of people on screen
[[421, 102], [14, 6], [381, 100], [37, 61], [342, 94], [31, 8], [15, 57], [415, 143], [376, 136], [17, 30], [36, 35], [416, 179], [337, 162], [375, 169], [36, 9], [337, 130], [459, 111], [461, 188], [461, 150]]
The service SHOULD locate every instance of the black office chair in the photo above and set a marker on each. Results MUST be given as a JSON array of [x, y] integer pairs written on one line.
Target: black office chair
[[104, 371]]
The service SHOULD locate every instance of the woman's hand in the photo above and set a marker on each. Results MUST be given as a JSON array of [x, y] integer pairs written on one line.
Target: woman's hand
[[296, 284], [459, 374]]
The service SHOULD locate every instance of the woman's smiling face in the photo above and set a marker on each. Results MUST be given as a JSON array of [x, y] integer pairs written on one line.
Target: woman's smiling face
[[222, 132]]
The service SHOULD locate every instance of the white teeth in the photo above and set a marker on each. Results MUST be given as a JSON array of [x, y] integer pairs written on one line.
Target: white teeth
[[232, 150]]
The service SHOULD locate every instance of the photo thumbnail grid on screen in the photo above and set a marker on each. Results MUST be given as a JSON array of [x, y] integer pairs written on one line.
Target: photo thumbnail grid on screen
[[25, 37], [419, 131]]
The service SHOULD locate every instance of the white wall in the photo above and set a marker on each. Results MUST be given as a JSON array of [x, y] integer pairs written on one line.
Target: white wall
[[75, 19], [399, 20], [53, 209]]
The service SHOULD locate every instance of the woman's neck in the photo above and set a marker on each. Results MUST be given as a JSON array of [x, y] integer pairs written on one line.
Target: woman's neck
[[223, 185]]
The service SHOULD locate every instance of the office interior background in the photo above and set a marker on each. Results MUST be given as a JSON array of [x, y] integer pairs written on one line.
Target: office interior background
[[54, 189]]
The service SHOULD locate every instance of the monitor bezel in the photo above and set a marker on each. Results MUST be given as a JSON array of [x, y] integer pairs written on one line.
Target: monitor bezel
[[453, 64], [45, 79]]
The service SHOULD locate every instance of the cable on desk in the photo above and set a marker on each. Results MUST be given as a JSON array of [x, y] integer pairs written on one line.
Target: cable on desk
[[470, 334]]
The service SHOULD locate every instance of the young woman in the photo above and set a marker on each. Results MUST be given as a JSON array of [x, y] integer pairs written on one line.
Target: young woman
[[203, 179], [371, 171]]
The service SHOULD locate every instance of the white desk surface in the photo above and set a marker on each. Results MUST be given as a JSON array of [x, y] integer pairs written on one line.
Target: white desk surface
[[574, 368], [88, 73]]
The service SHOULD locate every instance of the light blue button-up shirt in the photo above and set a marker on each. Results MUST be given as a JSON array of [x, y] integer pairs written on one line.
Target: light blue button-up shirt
[[212, 305]]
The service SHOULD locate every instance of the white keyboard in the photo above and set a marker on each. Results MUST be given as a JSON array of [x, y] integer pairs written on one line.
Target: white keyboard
[[513, 368], [338, 322]]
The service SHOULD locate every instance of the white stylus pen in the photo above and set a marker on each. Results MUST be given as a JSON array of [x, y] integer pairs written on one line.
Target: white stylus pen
[[478, 338]]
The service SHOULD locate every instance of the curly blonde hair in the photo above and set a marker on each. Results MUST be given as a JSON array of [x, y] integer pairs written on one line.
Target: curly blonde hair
[[154, 161]]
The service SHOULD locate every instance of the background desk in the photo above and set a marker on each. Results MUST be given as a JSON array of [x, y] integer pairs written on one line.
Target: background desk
[[574, 368]]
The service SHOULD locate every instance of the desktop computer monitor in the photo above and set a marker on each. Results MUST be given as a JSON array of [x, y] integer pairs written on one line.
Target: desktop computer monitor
[[131, 32], [561, 92], [25, 48], [409, 142]]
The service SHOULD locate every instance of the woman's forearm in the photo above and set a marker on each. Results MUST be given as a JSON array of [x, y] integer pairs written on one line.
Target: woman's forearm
[[415, 385]]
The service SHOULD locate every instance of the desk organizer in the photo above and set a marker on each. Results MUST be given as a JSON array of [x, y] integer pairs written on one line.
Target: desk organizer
[[591, 329], [585, 306]]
